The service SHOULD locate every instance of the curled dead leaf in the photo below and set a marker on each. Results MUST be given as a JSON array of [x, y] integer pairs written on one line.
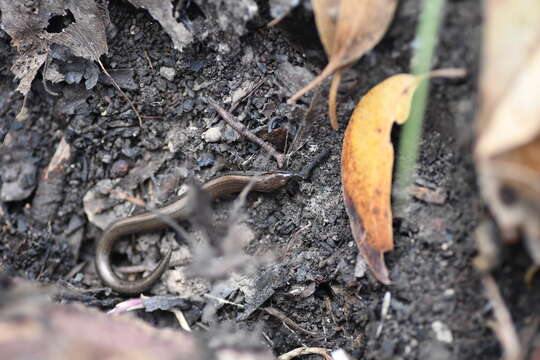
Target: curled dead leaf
[[507, 149], [347, 29], [367, 160], [85, 36]]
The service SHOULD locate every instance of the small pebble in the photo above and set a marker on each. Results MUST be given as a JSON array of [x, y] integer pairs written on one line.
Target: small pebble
[[442, 332], [167, 72], [106, 158], [188, 105], [212, 135], [205, 160], [119, 168]]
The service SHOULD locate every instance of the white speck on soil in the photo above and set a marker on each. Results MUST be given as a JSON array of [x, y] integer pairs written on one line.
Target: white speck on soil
[[167, 72], [442, 332]]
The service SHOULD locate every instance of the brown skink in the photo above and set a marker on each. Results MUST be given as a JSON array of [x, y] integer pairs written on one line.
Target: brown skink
[[178, 210]]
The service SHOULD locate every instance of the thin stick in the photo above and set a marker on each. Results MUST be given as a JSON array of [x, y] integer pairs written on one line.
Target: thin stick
[[504, 327], [277, 20], [332, 95], [287, 320], [306, 351], [148, 59], [242, 130], [307, 170], [327, 71], [449, 73], [223, 301], [181, 319], [121, 92], [242, 97]]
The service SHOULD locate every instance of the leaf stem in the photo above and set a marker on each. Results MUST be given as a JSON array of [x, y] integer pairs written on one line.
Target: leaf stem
[[409, 145]]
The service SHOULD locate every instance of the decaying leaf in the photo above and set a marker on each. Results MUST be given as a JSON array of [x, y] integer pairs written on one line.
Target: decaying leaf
[[27, 26], [366, 167], [367, 160], [347, 29], [507, 151]]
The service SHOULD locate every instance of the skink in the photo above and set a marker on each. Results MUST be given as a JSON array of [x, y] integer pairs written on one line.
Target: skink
[[178, 210]]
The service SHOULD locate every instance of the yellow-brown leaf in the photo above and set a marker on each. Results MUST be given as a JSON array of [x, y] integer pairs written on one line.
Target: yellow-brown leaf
[[366, 167], [347, 29]]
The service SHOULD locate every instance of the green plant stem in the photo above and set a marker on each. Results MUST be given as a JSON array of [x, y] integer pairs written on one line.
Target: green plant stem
[[409, 145]]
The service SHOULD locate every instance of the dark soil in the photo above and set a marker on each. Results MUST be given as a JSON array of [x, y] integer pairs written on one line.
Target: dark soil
[[433, 279]]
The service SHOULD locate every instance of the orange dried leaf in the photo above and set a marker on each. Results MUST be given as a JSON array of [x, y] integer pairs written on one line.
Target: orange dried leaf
[[347, 29], [367, 159]]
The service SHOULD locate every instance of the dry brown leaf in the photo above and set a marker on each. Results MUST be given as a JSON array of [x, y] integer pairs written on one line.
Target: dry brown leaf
[[507, 151], [367, 160], [85, 37], [347, 29]]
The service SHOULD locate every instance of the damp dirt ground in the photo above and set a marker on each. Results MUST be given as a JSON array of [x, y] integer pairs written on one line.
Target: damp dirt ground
[[437, 309]]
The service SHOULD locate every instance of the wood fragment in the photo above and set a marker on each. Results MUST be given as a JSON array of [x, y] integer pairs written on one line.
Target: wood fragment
[[436, 196], [287, 320], [223, 301], [115, 84], [148, 59], [50, 190], [503, 327], [325, 353], [242, 130], [181, 319]]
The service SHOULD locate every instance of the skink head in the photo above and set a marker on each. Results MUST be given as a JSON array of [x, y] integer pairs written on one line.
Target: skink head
[[275, 180]]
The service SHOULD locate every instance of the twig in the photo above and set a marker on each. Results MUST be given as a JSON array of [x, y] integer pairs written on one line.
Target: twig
[[223, 301], [287, 321], [242, 130], [43, 78], [74, 271], [181, 319], [384, 312], [307, 170], [242, 97], [306, 351], [277, 20], [148, 59], [503, 327], [121, 92]]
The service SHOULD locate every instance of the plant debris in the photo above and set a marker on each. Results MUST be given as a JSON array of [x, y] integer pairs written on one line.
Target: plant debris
[[508, 139], [49, 192], [367, 161], [347, 29], [242, 130], [366, 167], [30, 33]]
